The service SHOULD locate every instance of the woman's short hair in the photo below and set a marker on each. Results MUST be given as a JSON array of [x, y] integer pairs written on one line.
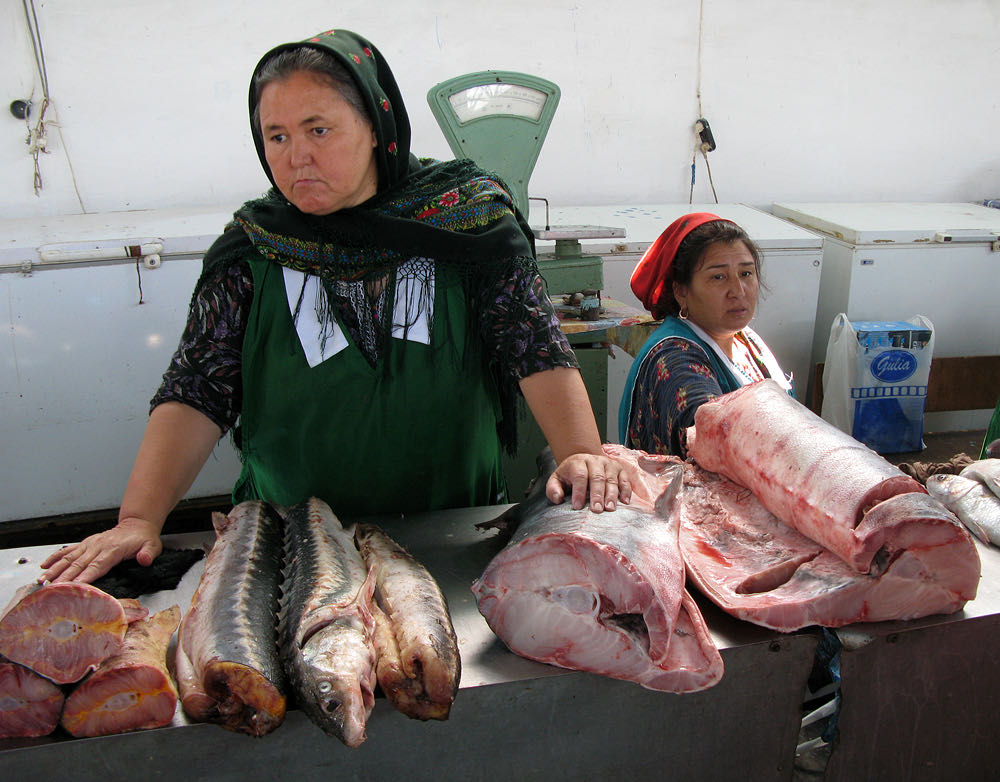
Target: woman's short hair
[[305, 58], [691, 251]]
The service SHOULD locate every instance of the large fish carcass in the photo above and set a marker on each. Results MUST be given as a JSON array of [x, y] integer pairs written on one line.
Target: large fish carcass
[[603, 592], [812, 527]]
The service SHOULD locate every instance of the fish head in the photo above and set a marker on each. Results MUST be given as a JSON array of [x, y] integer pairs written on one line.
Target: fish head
[[338, 683]]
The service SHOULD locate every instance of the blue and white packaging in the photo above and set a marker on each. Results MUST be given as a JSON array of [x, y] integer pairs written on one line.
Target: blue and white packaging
[[875, 381]]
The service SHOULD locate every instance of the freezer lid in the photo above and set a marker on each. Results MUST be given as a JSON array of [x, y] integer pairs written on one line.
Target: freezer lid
[[900, 223], [183, 231], [645, 222]]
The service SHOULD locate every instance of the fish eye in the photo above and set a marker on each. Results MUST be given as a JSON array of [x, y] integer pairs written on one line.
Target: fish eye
[[325, 687]]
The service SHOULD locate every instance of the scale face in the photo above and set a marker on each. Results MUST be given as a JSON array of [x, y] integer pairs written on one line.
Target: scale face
[[498, 119]]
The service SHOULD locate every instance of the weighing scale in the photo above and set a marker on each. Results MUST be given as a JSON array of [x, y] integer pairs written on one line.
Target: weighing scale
[[500, 119]]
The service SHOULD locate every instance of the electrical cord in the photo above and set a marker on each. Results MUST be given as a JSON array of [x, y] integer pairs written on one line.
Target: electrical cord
[[37, 137]]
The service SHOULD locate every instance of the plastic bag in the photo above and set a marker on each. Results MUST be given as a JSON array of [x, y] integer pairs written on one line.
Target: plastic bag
[[875, 381]]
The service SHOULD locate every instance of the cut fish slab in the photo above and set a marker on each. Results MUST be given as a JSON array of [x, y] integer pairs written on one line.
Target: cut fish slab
[[604, 592], [132, 690], [30, 704], [63, 630]]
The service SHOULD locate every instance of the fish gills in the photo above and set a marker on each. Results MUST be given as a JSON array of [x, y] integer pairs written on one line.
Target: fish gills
[[228, 670], [62, 630], [131, 690], [326, 625], [30, 704], [418, 660]]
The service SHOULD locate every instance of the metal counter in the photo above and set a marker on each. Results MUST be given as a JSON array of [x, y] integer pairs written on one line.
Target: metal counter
[[513, 718], [921, 699]]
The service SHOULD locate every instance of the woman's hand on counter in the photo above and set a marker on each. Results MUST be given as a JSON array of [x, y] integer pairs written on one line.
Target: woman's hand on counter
[[94, 556], [606, 480]]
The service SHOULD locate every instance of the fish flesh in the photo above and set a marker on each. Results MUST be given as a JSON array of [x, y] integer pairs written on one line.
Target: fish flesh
[[62, 630], [131, 690], [974, 504], [326, 625], [30, 704], [807, 472], [603, 592], [418, 666], [759, 569], [228, 669]]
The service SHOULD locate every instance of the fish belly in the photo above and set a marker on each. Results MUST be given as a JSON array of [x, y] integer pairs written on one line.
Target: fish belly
[[62, 630], [132, 690], [227, 661], [419, 665], [30, 704]]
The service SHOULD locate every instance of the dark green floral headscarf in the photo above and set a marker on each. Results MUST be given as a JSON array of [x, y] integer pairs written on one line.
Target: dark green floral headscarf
[[383, 103]]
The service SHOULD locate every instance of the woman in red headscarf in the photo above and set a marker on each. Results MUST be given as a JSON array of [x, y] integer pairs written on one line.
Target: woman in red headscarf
[[702, 277]]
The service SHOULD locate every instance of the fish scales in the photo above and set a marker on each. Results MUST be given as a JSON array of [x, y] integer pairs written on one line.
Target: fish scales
[[228, 668], [419, 666], [326, 625]]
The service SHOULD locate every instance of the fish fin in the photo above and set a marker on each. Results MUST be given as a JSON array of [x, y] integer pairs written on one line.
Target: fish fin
[[220, 521], [134, 610]]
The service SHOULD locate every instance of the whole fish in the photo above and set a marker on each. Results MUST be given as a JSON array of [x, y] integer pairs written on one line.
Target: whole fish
[[987, 472], [326, 625], [30, 704], [228, 670], [418, 665], [131, 690], [970, 500], [603, 592], [63, 630]]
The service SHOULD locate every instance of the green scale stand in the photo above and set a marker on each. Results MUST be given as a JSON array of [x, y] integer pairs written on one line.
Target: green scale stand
[[500, 119]]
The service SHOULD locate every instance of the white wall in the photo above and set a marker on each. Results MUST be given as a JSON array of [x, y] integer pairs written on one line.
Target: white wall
[[809, 100]]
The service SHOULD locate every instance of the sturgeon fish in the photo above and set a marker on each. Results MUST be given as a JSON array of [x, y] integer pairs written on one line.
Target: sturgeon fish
[[759, 569], [30, 704], [808, 473], [228, 670], [602, 592], [418, 665], [63, 630], [326, 625], [131, 690]]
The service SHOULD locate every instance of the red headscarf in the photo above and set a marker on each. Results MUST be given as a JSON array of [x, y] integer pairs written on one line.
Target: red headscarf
[[654, 270]]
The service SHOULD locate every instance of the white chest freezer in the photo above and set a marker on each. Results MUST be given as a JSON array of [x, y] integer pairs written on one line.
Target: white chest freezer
[[790, 270], [890, 261], [89, 331]]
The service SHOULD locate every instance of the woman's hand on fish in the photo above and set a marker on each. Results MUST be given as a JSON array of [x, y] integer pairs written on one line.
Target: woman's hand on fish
[[606, 481], [94, 556]]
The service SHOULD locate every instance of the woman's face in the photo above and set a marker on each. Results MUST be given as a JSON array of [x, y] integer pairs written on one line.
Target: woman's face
[[722, 294], [320, 150]]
